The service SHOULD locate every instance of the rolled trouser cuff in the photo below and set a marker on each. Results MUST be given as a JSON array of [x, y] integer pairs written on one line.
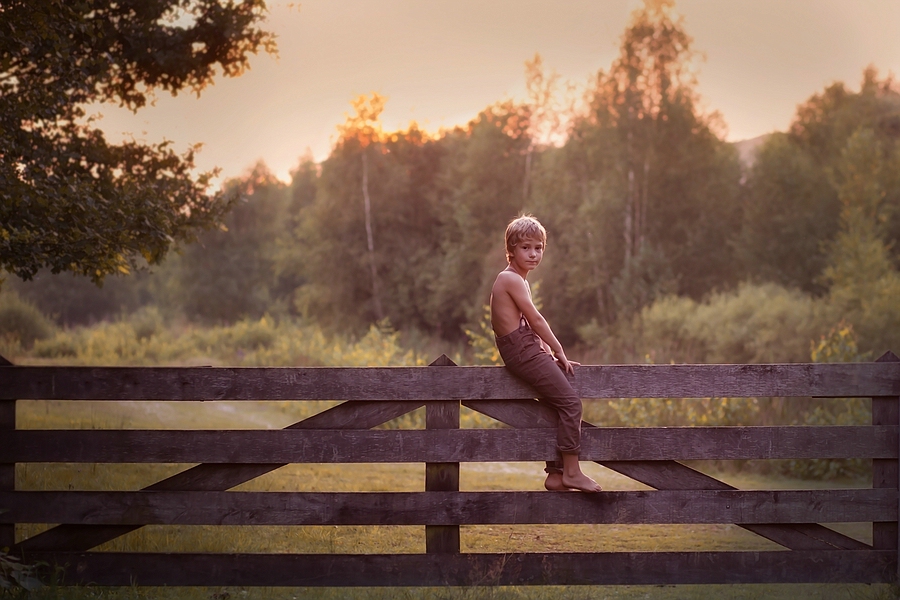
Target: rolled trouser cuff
[[553, 466]]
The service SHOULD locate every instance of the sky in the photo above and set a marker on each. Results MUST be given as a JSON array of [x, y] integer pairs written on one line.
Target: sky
[[440, 62]]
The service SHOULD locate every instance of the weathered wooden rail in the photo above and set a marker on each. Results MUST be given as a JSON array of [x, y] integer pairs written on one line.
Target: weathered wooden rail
[[371, 396]]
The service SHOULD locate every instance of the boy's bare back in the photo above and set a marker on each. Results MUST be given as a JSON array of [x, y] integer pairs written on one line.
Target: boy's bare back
[[507, 302]]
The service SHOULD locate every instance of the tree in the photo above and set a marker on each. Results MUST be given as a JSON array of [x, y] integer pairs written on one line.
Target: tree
[[644, 84], [231, 273], [864, 281], [340, 246], [789, 208], [792, 210], [69, 199], [479, 191], [545, 118], [644, 192], [364, 129]]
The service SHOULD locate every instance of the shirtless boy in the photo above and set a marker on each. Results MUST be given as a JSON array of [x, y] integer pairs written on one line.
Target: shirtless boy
[[531, 351]]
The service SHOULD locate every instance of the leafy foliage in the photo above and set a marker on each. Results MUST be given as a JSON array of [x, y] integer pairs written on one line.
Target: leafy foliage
[[426, 250], [792, 196], [752, 324], [17, 579], [838, 345], [21, 322], [481, 340], [72, 299], [863, 278], [69, 199], [621, 240], [789, 208], [436, 204], [144, 339], [231, 273]]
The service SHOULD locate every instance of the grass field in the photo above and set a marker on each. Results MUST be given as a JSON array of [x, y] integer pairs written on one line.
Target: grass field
[[369, 477]]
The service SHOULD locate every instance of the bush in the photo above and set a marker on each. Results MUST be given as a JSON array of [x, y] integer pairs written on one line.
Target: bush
[[144, 340], [874, 310], [62, 345], [22, 321], [757, 323], [672, 412], [17, 580], [839, 345], [146, 322]]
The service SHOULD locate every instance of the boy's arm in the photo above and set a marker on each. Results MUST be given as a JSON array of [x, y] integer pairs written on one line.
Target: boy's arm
[[517, 289]]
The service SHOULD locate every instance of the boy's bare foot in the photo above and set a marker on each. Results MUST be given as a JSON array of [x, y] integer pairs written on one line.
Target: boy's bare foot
[[573, 477], [554, 483], [580, 482]]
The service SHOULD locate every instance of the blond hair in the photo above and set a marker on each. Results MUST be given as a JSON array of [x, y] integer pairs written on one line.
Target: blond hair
[[522, 228]]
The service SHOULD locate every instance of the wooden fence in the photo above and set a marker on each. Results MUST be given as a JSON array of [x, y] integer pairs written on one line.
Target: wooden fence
[[812, 552]]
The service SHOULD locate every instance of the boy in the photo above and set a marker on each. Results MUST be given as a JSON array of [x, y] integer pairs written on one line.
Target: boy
[[532, 353]]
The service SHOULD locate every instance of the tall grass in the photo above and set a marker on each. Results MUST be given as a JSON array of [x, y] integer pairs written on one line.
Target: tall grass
[[144, 339]]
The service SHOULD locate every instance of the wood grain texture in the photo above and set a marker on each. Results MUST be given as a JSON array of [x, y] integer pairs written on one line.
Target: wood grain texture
[[445, 445], [886, 472], [673, 475], [460, 383], [7, 468], [342, 570], [442, 417], [215, 477], [450, 508]]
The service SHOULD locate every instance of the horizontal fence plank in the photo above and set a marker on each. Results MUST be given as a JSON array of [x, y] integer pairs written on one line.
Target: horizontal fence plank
[[461, 383], [341, 570], [464, 445], [450, 508]]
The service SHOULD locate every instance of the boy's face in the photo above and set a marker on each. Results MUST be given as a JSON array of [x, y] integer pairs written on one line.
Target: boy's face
[[527, 254]]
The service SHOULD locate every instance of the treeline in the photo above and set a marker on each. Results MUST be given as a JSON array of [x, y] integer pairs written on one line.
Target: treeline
[[663, 245]]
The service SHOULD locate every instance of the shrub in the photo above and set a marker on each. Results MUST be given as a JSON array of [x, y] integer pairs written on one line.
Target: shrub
[[144, 340], [17, 579], [666, 331], [22, 321], [59, 346], [839, 345], [481, 340], [756, 323], [146, 322], [253, 335]]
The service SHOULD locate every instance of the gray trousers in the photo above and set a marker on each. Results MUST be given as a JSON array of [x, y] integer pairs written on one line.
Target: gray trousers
[[523, 355]]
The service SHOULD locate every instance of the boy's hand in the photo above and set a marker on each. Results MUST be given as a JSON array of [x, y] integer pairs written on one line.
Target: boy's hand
[[574, 363], [565, 364]]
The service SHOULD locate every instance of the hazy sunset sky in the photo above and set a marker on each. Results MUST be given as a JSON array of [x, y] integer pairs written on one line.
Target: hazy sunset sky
[[440, 62]]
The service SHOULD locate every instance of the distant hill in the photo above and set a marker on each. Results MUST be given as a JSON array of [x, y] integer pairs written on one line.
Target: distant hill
[[747, 149]]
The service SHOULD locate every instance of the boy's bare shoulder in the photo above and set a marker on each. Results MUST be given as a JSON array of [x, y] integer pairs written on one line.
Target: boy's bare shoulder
[[508, 277], [505, 280]]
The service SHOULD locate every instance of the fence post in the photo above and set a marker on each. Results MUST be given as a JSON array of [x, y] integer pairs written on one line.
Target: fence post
[[442, 477], [7, 470], [885, 472]]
